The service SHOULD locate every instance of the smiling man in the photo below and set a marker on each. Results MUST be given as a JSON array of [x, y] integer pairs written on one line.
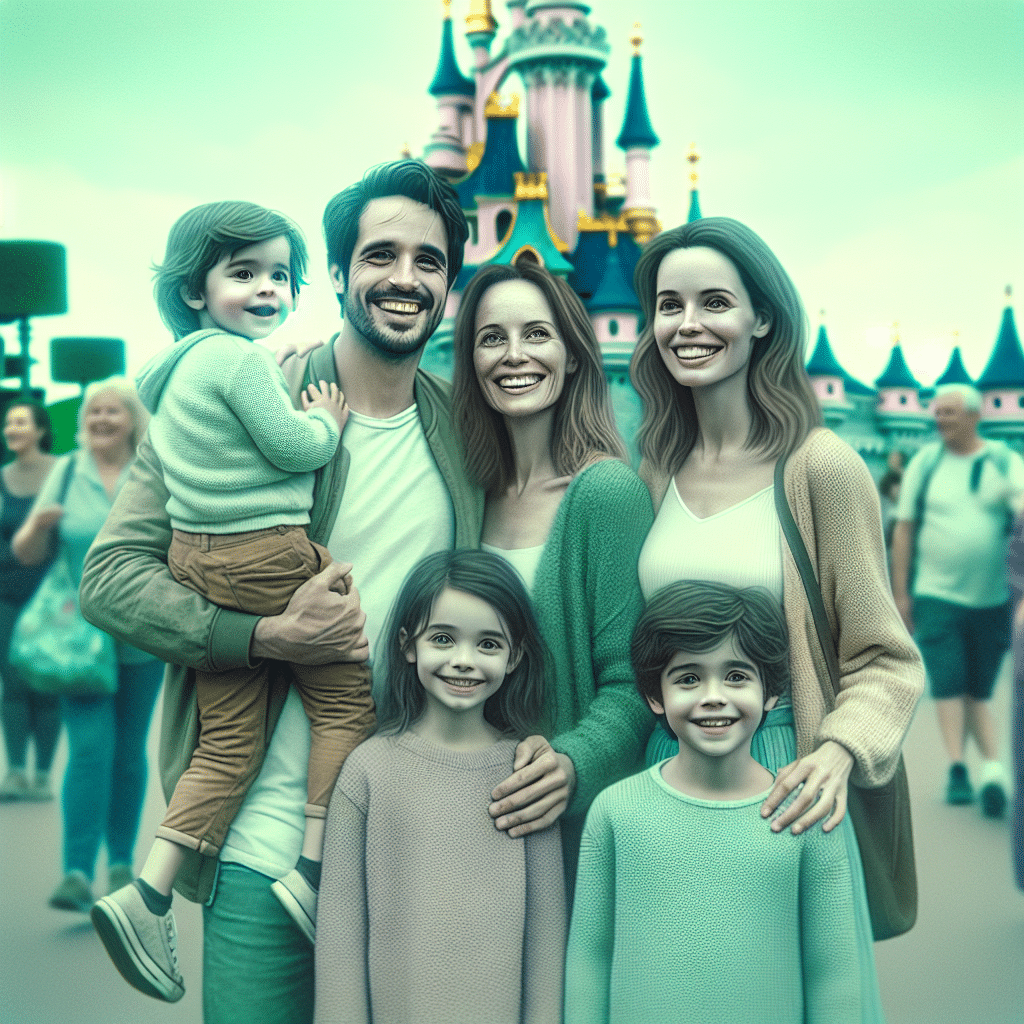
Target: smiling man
[[394, 492]]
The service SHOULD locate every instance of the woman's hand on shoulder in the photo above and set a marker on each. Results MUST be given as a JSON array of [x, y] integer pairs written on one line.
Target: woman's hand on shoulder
[[825, 774], [534, 796], [294, 348]]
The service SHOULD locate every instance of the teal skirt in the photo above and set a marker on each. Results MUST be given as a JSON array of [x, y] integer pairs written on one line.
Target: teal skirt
[[774, 746]]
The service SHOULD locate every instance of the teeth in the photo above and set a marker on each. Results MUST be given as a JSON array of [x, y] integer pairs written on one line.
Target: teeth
[[520, 382], [395, 306], [693, 351], [713, 723]]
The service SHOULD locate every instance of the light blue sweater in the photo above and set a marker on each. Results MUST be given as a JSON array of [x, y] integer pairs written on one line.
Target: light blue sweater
[[236, 454]]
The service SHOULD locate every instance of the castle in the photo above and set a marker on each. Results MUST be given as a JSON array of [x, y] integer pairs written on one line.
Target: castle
[[589, 226]]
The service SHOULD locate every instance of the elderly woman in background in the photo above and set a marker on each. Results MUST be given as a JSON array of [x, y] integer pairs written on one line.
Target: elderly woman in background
[[105, 781], [532, 407], [26, 714]]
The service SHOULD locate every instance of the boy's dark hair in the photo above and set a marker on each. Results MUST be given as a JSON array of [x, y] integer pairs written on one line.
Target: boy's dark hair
[[410, 178], [696, 616], [518, 705], [40, 417], [201, 238]]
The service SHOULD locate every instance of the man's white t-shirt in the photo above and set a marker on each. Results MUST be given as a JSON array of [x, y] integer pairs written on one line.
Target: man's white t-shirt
[[395, 511]]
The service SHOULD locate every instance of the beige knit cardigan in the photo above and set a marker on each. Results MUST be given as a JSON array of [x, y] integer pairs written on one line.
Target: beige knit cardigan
[[836, 508]]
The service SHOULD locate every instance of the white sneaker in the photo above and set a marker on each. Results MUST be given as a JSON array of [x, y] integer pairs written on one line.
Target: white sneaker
[[143, 945]]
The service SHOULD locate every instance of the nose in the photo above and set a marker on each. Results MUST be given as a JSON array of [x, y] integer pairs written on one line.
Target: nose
[[403, 274], [714, 693], [690, 324], [515, 353], [461, 658]]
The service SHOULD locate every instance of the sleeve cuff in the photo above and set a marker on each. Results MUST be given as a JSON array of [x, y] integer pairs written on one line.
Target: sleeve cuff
[[231, 639]]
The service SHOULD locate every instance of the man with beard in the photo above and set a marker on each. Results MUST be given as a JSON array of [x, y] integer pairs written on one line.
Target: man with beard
[[394, 492]]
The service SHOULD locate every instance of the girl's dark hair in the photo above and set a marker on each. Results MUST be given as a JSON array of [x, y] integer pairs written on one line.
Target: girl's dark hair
[[518, 707], [782, 403], [201, 238], [584, 424], [696, 616], [41, 418]]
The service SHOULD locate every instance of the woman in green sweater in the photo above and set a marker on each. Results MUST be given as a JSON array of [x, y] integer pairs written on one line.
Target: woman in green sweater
[[531, 404]]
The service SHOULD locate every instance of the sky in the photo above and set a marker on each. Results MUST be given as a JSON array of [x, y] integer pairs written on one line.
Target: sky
[[878, 147]]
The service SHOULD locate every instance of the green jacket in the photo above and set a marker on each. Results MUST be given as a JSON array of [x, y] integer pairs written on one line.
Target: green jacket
[[128, 591]]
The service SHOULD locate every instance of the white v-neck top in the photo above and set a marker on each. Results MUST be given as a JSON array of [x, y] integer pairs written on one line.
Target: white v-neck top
[[523, 560], [741, 545]]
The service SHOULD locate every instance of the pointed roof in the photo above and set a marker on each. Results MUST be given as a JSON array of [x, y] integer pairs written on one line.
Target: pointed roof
[[613, 292], [1005, 367], [495, 174], [599, 91], [448, 79], [823, 362], [694, 213], [955, 372], [897, 374], [531, 228], [636, 125]]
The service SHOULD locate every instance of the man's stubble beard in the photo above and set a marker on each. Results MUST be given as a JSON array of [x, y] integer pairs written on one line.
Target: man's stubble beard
[[390, 343]]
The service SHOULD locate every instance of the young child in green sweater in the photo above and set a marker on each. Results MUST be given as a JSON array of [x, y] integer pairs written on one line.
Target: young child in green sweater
[[238, 461], [688, 907]]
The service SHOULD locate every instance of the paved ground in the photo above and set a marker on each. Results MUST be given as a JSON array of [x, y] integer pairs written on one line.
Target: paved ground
[[962, 964]]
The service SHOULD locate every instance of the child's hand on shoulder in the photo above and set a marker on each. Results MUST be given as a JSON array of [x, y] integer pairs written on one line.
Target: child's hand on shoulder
[[327, 397]]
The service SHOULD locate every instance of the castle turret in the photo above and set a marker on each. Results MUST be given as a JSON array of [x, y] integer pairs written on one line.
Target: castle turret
[[828, 379], [900, 415], [1002, 382], [955, 371], [531, 231], [481, 29], [693, 156], [598, 94], [637, 139], [446, 151], [559, 56]]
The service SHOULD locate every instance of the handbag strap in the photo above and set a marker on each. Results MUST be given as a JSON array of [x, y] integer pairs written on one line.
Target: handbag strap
[[803, 563]]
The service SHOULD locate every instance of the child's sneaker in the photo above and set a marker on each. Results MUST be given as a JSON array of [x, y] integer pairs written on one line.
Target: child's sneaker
[[15, 785], [142, 945], [298, 897], [959, 789], [72, 893]]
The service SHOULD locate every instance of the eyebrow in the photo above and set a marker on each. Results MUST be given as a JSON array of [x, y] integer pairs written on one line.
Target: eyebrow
[[529, 323], [691, 665], [706, 291], [251, 262], [389, 243]]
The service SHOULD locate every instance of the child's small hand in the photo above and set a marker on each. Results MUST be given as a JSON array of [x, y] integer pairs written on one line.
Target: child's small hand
[[328, 397], [49, 517]]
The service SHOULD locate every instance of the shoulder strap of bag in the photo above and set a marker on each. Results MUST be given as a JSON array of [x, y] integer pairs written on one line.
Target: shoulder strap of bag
[[803, 563]]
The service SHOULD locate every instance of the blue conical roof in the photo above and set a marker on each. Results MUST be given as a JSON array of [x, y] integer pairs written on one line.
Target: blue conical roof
[[852, 386], [694, 213], [448, 79], [636, 125], [614, 291], [955, 372], [897, 374], [823, 362], [493, 176], [599, 91], [1005, 367], [531, 229]]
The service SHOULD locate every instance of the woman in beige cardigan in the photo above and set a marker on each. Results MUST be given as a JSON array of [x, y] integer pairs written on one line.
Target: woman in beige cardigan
[[719, 367]]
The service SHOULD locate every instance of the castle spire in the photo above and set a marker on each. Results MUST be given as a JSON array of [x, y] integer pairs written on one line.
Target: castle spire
[[693, 156], [448, 79], [955, 371], [636, 125], [1005, 367], [481, 29]]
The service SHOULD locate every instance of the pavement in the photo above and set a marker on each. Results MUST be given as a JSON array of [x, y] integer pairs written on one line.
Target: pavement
[[963, 963]]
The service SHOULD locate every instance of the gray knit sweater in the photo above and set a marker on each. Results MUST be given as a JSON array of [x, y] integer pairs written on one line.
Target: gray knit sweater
[[427, 912]]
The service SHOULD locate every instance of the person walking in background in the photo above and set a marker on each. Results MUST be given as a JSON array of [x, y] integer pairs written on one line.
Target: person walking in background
[[105, 779], [26, 714], [1015, 569], [949, 546], [889, 491]]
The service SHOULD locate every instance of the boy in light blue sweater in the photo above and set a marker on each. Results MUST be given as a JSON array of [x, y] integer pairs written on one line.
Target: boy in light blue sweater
[[238, 462], [688, 908]]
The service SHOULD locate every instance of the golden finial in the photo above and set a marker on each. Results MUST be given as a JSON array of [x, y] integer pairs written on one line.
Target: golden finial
[[693, 156], [821, 313], [494, 106], [446, 9], [480, 18], [636, 38], [531, 184], [406, 151], [895, 332], [956, 335], [1009, 291]]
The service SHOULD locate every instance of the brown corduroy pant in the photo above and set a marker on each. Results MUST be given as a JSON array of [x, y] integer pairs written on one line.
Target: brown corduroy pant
[[257, 573]]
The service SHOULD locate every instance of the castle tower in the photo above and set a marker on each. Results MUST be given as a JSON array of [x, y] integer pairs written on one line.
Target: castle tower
[[1002, 383], [598, 94], [693, 156], [955, 371], [446, 151], [828, 379], [900, 416], [559, 56], [531, 230], [637, 139]]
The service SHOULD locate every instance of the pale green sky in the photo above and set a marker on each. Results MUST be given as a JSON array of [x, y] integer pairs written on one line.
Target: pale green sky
[[877, 146]]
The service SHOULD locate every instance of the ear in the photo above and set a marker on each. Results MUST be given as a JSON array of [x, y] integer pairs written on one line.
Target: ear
[[514, 658], [771, 702], [762, 326], [196, 302], [571, 365], [336, 278], [656, 706], [408, 649]]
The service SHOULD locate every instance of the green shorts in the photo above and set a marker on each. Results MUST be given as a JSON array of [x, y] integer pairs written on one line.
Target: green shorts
[[962, 647]]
